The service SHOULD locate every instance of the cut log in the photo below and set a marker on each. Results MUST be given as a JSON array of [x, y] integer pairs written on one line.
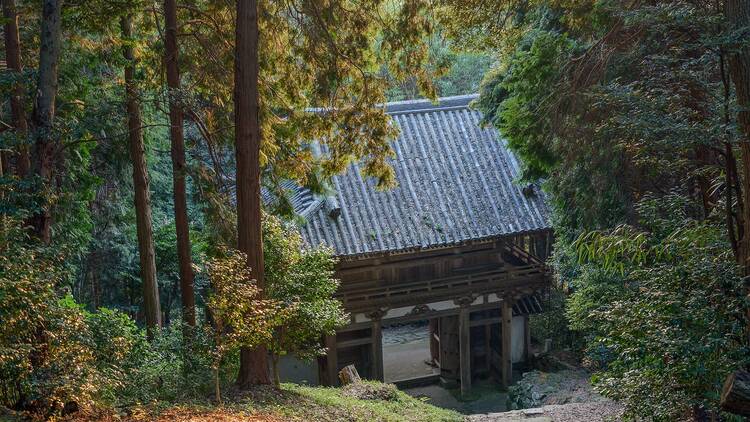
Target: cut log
[[349, 375], [735, 396]]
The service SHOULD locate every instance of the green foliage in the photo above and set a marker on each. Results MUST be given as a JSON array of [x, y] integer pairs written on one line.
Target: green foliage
[[164, 371], [663, 310], [622, 111], [514, 96], [241, 316], [460, 72], [302, 280], [53, 352], [45, 358]]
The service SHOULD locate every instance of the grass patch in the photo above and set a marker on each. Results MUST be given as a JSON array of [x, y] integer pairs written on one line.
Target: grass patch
[[370, 401], [333, 404]]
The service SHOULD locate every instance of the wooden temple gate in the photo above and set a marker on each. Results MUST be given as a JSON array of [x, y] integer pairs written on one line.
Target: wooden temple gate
[[469, 294], [459, 242]]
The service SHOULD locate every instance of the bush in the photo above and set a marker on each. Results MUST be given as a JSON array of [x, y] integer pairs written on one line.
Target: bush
[[53, 353], [664, 306], [303, 280], [46, 360]]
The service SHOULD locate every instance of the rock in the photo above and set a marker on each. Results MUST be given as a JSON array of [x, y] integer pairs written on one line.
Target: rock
[[735, 396]]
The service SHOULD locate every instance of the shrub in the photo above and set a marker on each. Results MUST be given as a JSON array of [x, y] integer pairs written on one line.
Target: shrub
[[301, 279], [664, 305], [241, 316], [45, 356]]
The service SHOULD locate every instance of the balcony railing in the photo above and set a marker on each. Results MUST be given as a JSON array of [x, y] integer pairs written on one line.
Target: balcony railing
[[363, 295]]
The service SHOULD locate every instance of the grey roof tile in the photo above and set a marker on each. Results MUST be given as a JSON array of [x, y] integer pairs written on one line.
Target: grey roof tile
[[456, 184]]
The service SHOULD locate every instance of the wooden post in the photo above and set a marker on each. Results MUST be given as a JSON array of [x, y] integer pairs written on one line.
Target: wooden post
[[526, 339], [449, 345], [506, 324], [487, 347], [377, 349], [434, 340], [332, 361], [464, 336], [349, 375]]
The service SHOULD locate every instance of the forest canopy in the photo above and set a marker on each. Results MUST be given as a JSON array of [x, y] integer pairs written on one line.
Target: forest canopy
[[148, 242], [633, 115]]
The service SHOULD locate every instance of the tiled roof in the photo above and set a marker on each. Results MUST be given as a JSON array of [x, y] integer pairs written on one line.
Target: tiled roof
[[456, 183]]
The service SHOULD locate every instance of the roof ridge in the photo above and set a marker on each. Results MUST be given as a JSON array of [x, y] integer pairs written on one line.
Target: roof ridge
[[424, 104]]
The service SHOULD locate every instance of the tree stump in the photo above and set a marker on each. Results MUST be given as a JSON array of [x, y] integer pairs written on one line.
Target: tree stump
[[735, 396], [349, 375]]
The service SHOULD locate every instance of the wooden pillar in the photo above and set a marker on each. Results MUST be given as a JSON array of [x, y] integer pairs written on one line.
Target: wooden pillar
[[332, 361], [526, 339], [464, 336], [377, 350], [506, 324], [449, 346], [434, 325], [488, 348]]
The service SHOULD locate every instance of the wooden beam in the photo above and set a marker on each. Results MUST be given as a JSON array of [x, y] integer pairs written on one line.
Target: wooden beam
[[506, 323], [434, 340], [377, 350], [356, 342], [426, 291], [428, 315], [464, 339], [393, 255], [484, 321], [332, 361]]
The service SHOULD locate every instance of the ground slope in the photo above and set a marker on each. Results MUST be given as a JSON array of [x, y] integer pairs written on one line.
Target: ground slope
[[369, 401]]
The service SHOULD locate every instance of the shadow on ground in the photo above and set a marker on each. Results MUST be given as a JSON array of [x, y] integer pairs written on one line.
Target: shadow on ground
[[486, 397]]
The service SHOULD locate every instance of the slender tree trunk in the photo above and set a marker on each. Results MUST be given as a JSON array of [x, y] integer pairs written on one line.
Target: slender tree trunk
[[151, 305], [13, 59], [217, 386], [44, 113], [253, 363], [178, 165], [738, 15]]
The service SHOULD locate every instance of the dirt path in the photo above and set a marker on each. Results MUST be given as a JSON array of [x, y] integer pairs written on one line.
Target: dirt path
[[600, 411]]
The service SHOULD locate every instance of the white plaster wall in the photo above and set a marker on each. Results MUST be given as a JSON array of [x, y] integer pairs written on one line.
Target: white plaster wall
[[298, 371], [517, 339]]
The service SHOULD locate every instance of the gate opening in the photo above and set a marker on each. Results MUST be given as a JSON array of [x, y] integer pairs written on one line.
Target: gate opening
[[407, 354]]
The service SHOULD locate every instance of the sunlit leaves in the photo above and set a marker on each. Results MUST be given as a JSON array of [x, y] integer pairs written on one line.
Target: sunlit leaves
[[242, 318], [302, 279]]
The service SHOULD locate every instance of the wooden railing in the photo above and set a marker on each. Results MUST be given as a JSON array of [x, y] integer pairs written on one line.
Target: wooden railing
[[373, 294]]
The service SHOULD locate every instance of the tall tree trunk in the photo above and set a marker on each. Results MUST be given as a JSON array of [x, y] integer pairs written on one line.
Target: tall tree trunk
[[738, 15], [13, 59], [178, 165], [253, 363], [44, 114], [151, 305]]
